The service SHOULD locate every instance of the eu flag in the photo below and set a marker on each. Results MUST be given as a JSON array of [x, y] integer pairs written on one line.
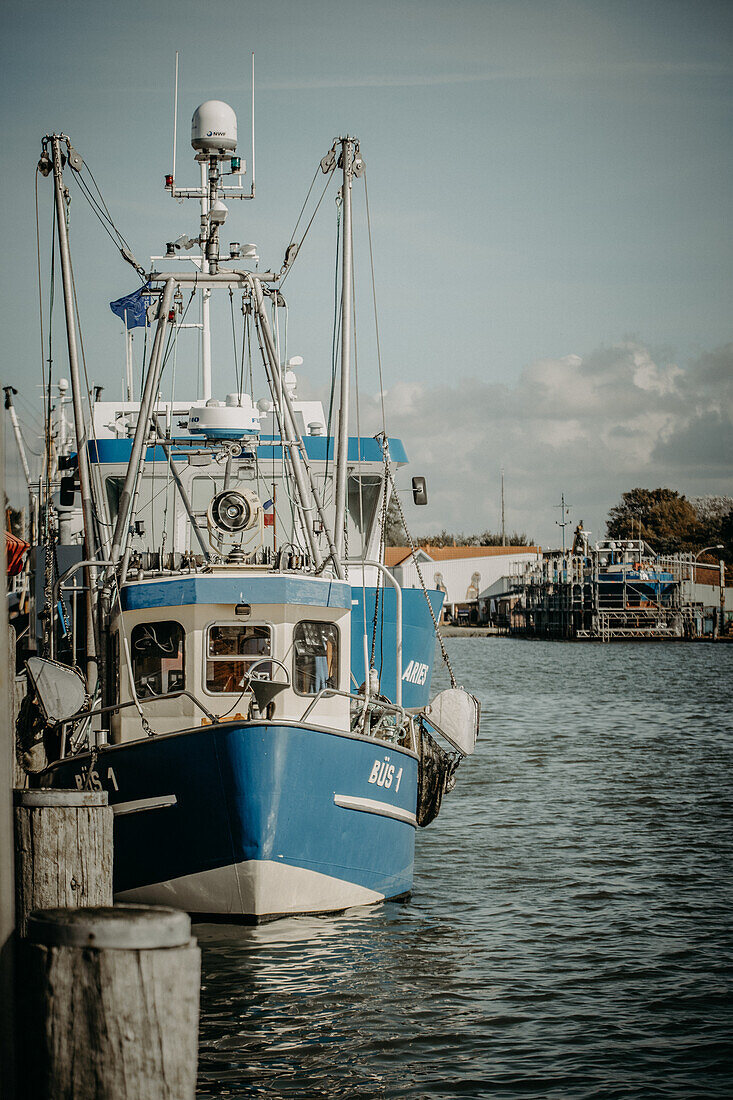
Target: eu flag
[[134, 305]]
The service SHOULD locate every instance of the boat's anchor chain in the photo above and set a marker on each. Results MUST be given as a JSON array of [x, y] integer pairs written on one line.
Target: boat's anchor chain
[[380, 557], [382, 440]]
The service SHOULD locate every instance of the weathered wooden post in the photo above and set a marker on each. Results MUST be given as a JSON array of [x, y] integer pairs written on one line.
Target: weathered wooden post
[[63, 850], [110, 1004]]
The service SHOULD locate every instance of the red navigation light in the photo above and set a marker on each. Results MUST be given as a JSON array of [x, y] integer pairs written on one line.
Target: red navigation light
[[171, 315], [169, 181]]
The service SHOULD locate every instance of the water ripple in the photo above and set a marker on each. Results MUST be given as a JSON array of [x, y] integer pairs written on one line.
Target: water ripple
[[570, 931]]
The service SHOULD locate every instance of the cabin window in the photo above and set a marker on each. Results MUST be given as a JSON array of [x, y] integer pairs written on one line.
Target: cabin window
[[363, 505], [157, 651], [231, 650], [316, 660]]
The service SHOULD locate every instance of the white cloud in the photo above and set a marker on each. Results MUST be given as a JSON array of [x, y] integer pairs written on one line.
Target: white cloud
[[591, 427]]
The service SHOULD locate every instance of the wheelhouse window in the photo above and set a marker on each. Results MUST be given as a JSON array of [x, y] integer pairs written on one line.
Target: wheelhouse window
[[316, 647], [231, 651], [157, 651]]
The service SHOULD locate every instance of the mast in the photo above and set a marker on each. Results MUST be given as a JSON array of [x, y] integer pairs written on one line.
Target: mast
[[563, 523], [129, 381], [342, 446], [205, 293], [90, 547], [503, 528], [9, 391]]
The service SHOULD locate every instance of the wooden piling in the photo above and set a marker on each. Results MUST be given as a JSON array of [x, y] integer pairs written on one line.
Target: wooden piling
[[63, 850], [110, 1003]]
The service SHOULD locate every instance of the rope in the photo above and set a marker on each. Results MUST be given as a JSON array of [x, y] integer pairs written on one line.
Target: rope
[[249, 355], [105, 218], [292, 493], [277, 410], [380, 557], [48, 578], [358, 455], [374, 301], [382, 439], [234, 343], [335, 338], [40, 294], [310, 223]]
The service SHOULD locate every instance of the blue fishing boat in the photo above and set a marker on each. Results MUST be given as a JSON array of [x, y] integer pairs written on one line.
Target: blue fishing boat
[[215, 640]]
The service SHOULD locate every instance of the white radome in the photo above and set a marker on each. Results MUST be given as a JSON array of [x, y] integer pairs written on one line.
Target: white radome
[[214, 127]]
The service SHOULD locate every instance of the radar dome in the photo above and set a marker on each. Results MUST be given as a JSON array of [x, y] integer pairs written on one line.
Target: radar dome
[[214, 127]]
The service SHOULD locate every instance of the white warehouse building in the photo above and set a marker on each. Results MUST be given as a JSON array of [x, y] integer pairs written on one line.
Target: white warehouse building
[[462, 572]]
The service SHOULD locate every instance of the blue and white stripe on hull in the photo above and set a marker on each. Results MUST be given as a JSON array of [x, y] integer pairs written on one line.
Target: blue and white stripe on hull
[[256, 819], [259, 888]]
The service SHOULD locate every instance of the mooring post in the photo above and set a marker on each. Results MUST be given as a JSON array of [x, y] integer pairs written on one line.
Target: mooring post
[[110, 1004], [63, 850]]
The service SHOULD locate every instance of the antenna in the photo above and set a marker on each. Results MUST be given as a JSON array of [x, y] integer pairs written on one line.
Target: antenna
[[175, 119], [252, 191], [563, 523], [503, 529]]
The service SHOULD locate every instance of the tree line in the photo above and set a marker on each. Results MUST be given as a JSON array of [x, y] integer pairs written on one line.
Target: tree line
[[671, 523], [664, 518]]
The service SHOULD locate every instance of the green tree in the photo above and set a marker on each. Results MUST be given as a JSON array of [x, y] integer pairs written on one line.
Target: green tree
[[715, 518], [663, 517], [725, 535]]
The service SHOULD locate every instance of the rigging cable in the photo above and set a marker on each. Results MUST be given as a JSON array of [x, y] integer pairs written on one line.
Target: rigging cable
[[91, 431], [374, 300], [335, 340], [379, 598], [310, 223], [292, 493], [234, 342], [285, 451], [388, 469], [48, 529], [168, 451], [359, 478], [40, 294], [105, 219]]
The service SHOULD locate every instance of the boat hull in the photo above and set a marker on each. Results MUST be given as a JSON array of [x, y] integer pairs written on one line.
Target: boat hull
[[256, 820]]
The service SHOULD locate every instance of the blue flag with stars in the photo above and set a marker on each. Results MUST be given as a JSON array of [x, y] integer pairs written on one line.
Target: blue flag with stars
[[134, 306]]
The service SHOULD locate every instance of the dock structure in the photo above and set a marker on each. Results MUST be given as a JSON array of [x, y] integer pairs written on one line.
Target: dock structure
[[614, 591]]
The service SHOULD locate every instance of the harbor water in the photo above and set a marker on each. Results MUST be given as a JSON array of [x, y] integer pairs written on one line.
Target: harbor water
[[570, 933]]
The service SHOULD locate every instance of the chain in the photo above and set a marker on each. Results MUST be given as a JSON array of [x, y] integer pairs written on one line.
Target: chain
[[382, 439], [48, 575], [92, 768], [383, 527]]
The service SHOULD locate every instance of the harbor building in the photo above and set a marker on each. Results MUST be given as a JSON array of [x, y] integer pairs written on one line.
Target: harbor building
[[462, 573]]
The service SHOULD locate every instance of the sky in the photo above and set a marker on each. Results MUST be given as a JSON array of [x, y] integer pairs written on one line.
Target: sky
[[550, 188]]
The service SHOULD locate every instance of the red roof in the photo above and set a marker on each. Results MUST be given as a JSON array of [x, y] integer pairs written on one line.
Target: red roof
[[395, 555]]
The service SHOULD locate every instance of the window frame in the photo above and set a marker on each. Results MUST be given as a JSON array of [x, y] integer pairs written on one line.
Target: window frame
[[316, 622], [205, 655], [157, 622]]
